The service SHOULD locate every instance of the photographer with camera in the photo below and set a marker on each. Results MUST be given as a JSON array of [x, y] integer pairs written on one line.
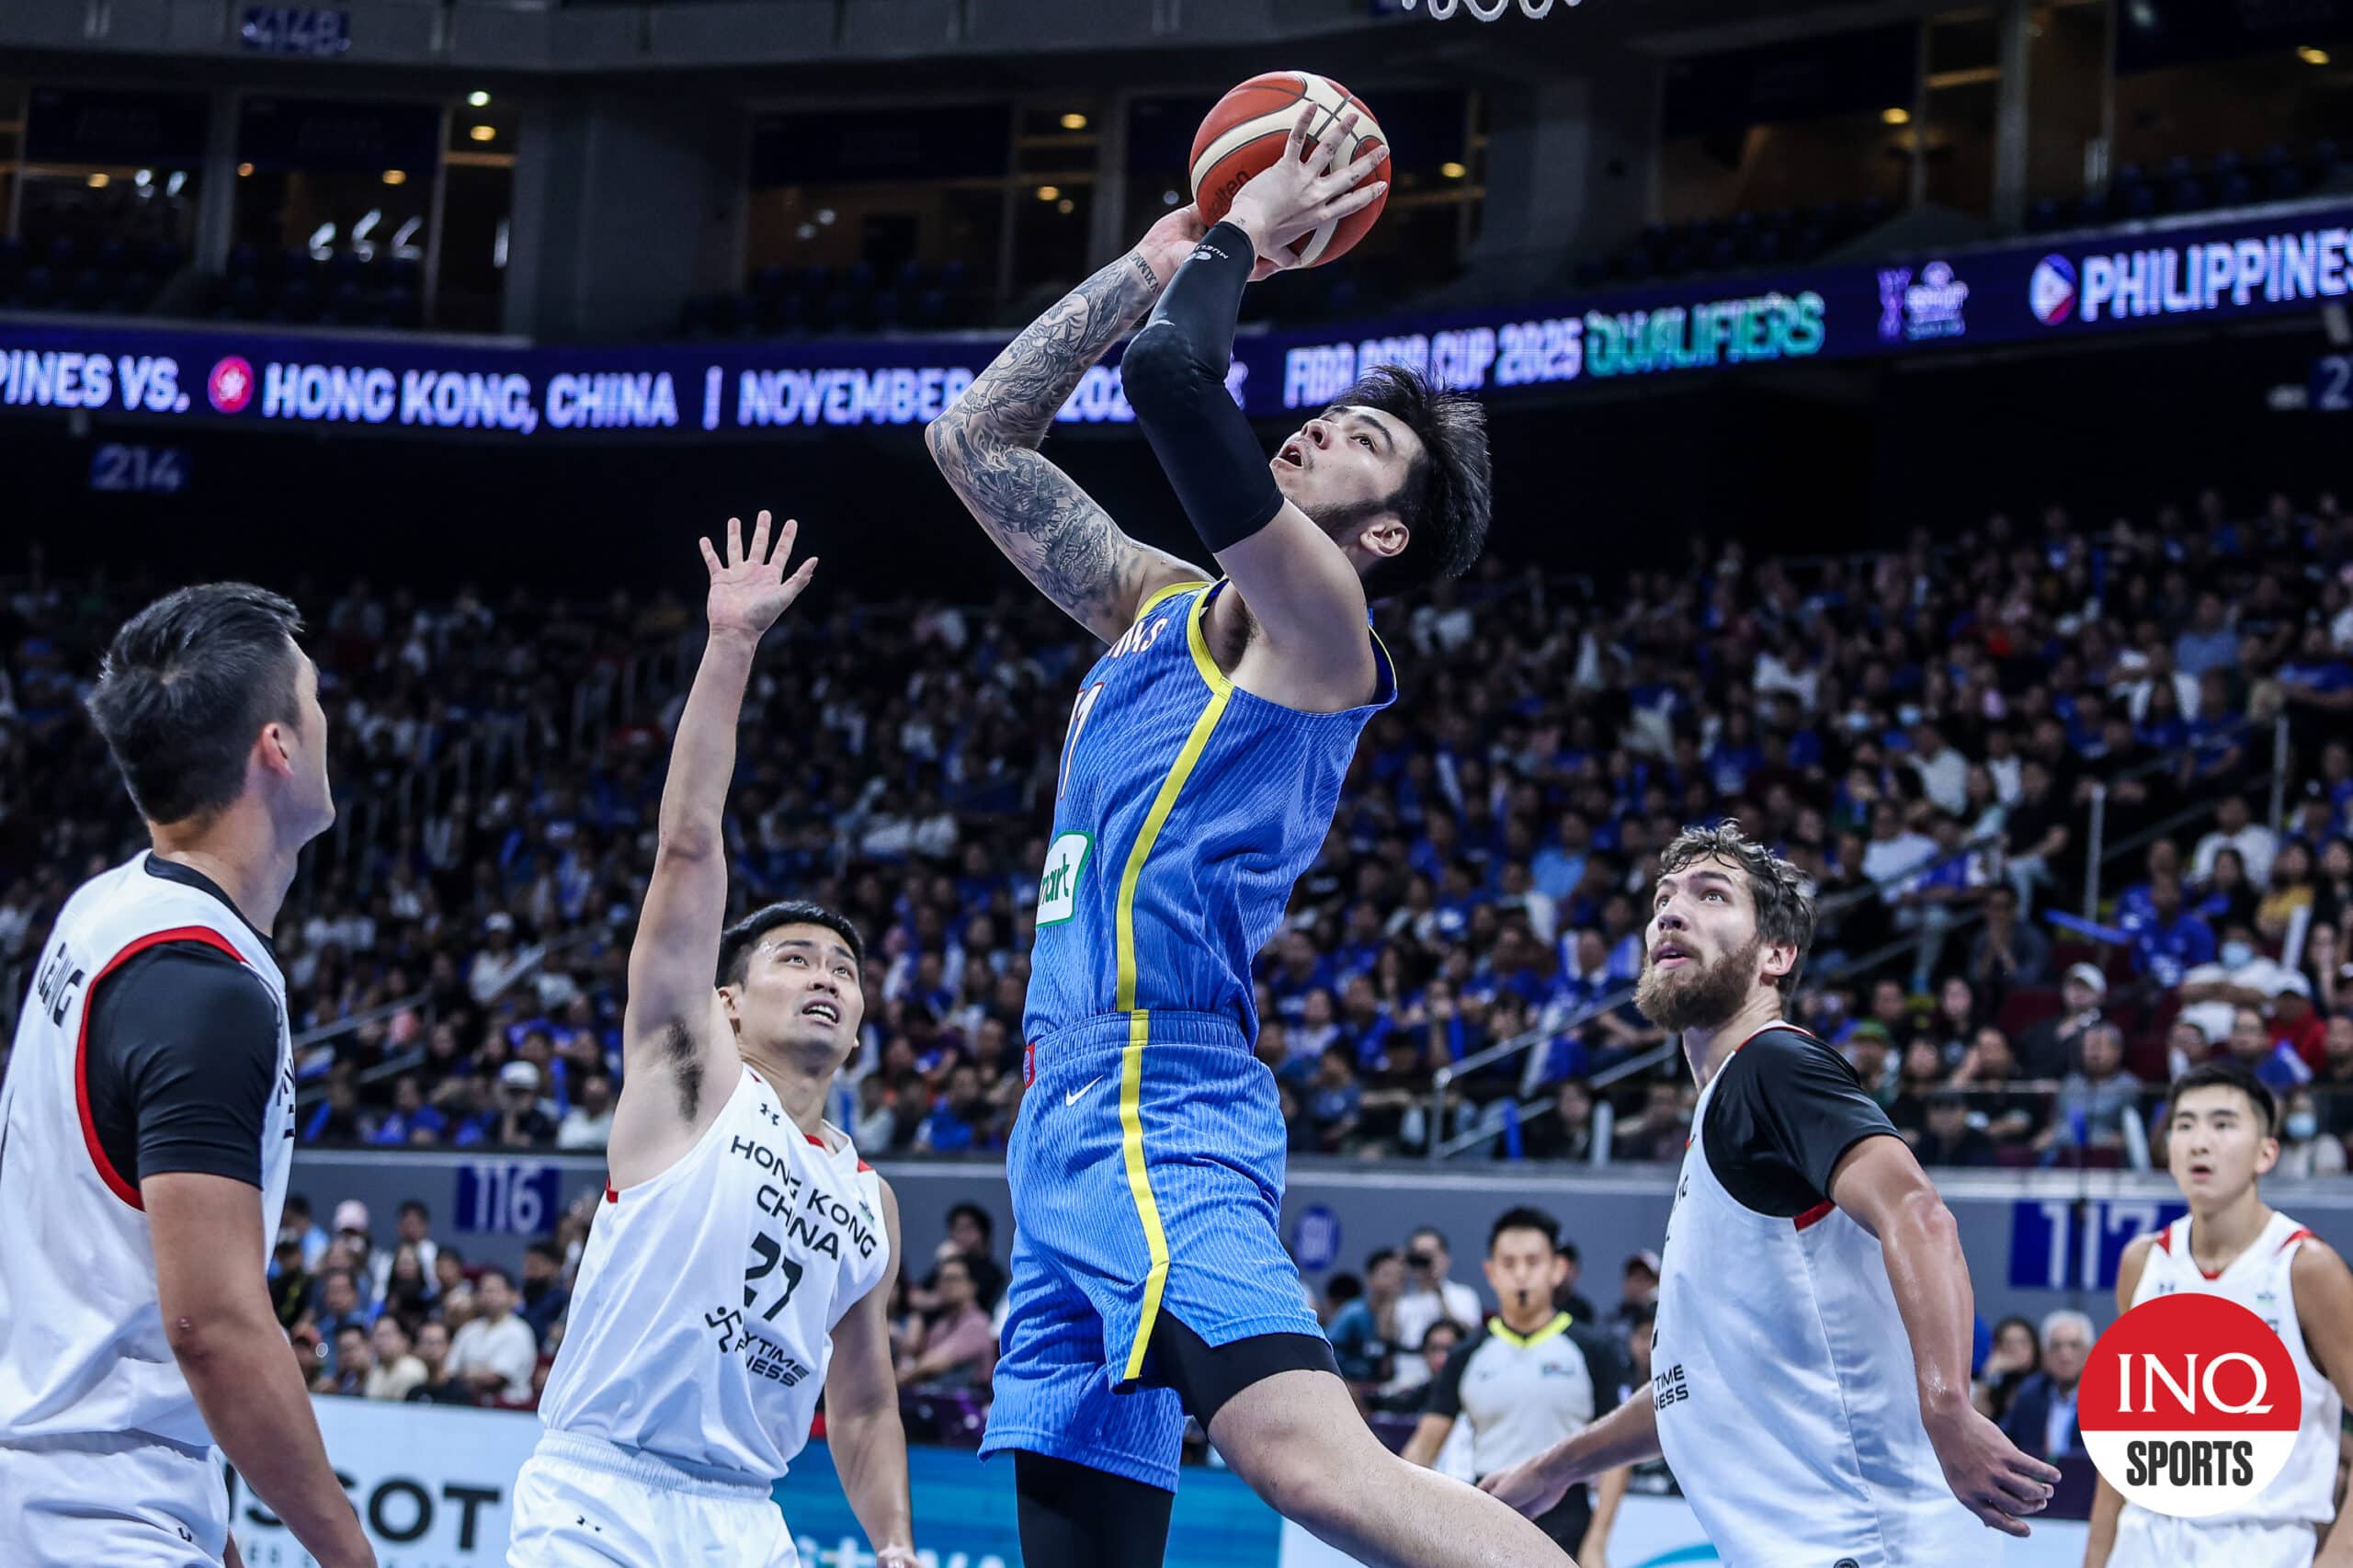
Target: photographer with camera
[[1429, 1296]]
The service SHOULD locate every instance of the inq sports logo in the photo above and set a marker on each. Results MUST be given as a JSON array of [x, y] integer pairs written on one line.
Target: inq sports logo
[[1440, 10]]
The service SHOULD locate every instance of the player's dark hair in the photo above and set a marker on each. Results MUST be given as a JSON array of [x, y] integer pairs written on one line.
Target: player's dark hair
[[2226, 1073], [1447, 493], [1784, 900], [1523, 1218], [185, 687], [974, 1212], [735, 944]]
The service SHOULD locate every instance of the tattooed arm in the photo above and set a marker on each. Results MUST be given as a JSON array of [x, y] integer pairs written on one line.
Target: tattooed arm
[[987, 444]]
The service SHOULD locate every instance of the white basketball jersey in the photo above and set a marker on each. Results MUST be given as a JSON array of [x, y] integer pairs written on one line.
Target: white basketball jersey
[[1784, 1389], [702, 1316], [82, 1346], [2260, 1280]]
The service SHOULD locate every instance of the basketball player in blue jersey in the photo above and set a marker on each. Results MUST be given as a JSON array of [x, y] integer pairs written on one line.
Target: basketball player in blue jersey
[[1198, 779]]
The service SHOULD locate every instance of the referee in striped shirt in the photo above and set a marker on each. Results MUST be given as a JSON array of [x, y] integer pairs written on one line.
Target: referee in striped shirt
[[1531, 1377]]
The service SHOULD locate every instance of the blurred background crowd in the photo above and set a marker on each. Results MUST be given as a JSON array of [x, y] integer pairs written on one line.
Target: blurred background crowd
[[2074, 798]]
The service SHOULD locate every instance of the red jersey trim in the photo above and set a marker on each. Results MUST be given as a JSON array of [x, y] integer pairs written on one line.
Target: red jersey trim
[[2164, 1240], [611, 1195], [1814, 1215], [106, 1173], [2292, 1238]]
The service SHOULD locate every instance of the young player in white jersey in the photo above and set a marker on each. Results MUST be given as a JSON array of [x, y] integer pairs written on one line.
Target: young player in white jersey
[[147, 1125], [740, 1264], [1810, 1361], [2219, 1144]]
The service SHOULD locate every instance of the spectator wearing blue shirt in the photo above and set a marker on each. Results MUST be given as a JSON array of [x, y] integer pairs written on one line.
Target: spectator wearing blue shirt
[[339, 1308], [1303, 970], [2175, 941], [2274, 1061], [2208, 643], [1558, 866], [1333, 1099], [958, 1121], [1363, 1332], [411, 1119]]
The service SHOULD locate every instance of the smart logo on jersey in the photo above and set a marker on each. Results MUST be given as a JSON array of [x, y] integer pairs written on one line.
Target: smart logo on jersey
[[231, 385], [2051, 292], [2190, 1406]]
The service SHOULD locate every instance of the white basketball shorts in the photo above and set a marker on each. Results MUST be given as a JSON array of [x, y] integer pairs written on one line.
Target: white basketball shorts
[[580, 1503], [125, 1502], [2144, 1540]]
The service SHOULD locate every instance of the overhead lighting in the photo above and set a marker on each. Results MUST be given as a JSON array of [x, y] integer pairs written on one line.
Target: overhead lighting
[[485, 134], [824, 215], [1074, 123], [2311, 56], [396, 176], [478, 98], [244, 171], [1050, 193], [1452, 170], [1168, 199], [1066, 206], [806, 232], [99, 182], [179, 181], [1895, 117], [143, 179]]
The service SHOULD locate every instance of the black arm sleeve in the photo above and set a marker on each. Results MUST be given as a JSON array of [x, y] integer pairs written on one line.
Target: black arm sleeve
[[183, 1056], [1173, 375], [1787, 1107], [1446, 1388]]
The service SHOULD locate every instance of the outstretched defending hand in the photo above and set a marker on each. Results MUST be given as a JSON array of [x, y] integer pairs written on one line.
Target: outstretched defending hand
[[1527, 1488], [1994, 1480], [748, 592], [1302, 190]]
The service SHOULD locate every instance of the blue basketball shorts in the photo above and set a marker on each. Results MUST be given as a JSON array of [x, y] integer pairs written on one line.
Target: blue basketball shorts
[[1146, 1170]]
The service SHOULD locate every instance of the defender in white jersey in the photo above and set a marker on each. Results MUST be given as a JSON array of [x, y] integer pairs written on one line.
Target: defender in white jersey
[[2219, 1144], [146, 1125], [740, 1264], [1810, 1361]]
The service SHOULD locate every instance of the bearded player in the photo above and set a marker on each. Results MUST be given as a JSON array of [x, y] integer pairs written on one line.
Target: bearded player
[[1814, 1403], [1198, 778], [2220, 1141], [741, 1261]]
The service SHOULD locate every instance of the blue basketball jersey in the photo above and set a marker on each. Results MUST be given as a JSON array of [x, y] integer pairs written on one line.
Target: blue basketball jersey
[[1185, 812]]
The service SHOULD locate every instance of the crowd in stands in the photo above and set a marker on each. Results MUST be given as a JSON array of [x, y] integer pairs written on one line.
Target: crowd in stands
[[407, 1316], [1935, 735]]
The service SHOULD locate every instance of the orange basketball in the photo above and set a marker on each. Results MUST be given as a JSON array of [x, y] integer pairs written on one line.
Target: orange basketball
[[1243, 135]]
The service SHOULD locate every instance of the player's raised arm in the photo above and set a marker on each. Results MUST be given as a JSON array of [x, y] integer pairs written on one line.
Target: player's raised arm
[[987, 444], [1303, 589], [1879, 1185], [675, 1035], [862, 1423]]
